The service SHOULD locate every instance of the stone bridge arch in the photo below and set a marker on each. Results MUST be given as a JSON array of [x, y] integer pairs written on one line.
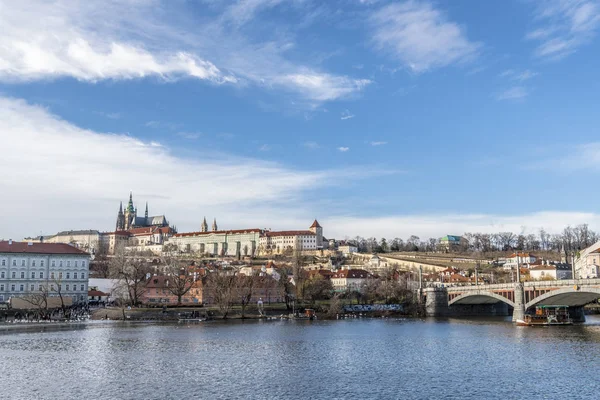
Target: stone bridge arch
[[480, 297], [567, 296]]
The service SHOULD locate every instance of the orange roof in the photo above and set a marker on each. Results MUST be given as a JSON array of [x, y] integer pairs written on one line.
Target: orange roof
[[289, 233], [39, 248], [150, 230], [315, 224], [96, 293]]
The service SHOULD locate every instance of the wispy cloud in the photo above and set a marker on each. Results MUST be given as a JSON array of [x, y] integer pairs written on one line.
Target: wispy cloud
[[311, 145], [343, 149], [571, 158], [565, 25], [514, 93], [346, 115], [421, 36], [112, 40], [519, 76], [111, 172], [264, 147], [377, 143]]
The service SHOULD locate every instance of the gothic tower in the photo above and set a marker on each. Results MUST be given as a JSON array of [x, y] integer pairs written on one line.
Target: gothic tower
[[120, 219], [146, 215], [130, 213], [204, 227], [214, 225], [317, 230]]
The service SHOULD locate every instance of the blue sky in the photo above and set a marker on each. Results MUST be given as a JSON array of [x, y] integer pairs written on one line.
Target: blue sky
[[380, 118]]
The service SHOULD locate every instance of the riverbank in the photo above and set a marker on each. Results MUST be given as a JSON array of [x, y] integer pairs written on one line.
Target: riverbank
[[176, 314]]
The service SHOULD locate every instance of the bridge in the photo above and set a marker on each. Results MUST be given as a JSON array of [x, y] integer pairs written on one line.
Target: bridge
[[520, 297]]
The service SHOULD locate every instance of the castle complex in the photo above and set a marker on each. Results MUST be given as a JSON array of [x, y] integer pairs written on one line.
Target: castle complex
[[128, 219], [154, 234]]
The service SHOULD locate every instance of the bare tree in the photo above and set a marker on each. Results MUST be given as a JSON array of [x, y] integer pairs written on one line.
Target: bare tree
[[245, 286], [39, 300], [181, 281], [132, 271], [222, 287]]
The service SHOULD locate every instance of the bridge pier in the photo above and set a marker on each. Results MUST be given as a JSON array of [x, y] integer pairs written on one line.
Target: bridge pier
[[577, 314], [519, 309]]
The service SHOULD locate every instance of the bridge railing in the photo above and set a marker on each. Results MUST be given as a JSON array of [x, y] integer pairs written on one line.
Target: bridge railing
[[497, 286], [562, 282]]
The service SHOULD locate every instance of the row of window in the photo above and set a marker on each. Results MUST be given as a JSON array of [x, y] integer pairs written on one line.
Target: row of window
[[41, 275], [53, 263], [13, 287]]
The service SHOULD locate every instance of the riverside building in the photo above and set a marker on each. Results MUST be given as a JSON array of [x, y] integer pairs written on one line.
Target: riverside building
[[28, 268]]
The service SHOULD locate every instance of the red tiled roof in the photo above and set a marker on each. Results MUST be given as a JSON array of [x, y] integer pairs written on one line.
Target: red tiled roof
[[352, 274], [39, 248], [218, 232], [315, 224], [289, 233], [150, 230]]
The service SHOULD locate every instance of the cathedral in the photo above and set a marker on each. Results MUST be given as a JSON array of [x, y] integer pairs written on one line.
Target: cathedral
[[127, 219]]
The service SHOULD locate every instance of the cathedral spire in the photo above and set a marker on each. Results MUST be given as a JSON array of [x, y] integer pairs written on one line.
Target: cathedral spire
[[204, 227], [214, 225], [121, 208], [146, 215], [130, 204]]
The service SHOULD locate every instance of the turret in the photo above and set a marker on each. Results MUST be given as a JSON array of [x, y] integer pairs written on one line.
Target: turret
[[146, 214], [318, 231], [214, 225], [204, 227]]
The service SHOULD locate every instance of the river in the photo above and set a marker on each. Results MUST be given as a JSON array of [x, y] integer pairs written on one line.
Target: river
[[349, 359]]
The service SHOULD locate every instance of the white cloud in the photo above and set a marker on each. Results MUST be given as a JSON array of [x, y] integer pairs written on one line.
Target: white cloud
[[519, 76], [264, 147], [343, 149], [93, 41], [346, 115], [378, 143], [59, 176], [46, 40], [570, 158], [311, 145], [421, 36], [438, 225], [514, 93], [566, 25]]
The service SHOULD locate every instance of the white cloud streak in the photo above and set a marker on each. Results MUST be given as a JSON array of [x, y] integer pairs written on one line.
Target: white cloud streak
[[566, 25], [346, 114], [421, 36], [59, 176], [343, 149], [378, 143], [132, 39], [514, 93]]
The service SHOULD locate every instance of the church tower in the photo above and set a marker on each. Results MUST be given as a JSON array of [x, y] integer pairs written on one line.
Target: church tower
[[204, 227], [130, 213], [146, 215], [214, 225], [120, 219], [317, 230]]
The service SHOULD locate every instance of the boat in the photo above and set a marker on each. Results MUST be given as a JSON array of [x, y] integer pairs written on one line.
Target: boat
[[547, 316]]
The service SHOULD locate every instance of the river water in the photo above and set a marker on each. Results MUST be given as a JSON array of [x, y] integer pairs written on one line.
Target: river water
[[349, 359]]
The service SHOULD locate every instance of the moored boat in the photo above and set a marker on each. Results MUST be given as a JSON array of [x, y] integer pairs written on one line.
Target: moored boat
[[547, 316]]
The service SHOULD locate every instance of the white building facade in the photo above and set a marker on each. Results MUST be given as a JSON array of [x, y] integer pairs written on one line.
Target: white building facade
[[28, 268], [235, 243]]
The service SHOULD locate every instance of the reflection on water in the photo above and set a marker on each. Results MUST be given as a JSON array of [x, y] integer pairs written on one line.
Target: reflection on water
[[409, 359]]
